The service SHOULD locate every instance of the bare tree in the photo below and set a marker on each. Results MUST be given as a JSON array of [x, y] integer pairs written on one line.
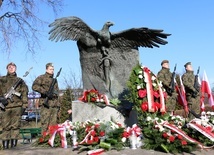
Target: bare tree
[[20, 21], [73, 83]]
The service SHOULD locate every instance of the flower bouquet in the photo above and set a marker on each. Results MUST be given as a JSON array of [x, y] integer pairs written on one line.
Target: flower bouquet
[[105, 135], [94, 96], [164, 133]]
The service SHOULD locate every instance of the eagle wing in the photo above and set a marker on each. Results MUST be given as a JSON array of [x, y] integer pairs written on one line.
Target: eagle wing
[[70, 28], [139, 37]]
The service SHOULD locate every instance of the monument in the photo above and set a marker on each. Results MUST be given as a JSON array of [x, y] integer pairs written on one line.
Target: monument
[[106, 58]]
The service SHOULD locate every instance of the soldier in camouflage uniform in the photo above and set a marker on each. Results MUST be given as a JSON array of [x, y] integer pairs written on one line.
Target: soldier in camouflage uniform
[[192, 93], [165, 76], [49, 116], [11, 117]]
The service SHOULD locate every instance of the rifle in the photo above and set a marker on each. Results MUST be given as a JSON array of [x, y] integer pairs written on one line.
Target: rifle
[[51, 89], [12, 91], [196, 83], [172, 83]]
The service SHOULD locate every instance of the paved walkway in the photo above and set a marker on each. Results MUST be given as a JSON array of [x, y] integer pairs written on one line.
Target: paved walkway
[[27, 149]]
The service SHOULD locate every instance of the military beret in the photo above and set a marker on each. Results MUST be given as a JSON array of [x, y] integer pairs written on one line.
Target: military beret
[[11, 63], [49, 64], [164, 61], [188, 63]]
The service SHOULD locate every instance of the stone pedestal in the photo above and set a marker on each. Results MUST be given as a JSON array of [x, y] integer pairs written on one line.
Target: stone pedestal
[[89, 111]]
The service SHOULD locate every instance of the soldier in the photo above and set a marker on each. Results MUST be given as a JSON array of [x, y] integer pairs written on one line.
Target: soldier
[[11, 116], [49, 116], [165, 76], [192, 93]]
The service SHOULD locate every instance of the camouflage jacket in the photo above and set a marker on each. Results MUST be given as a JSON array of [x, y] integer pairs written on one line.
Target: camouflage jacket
[[42, 84], [165, 76], [6, 83], [188, 79]]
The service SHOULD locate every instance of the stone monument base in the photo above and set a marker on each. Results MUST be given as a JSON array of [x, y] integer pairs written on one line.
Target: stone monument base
[[82, 111]]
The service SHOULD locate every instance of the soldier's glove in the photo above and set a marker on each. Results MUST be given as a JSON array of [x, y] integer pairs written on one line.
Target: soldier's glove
[[169, 91], [49, 95], [3, 101]]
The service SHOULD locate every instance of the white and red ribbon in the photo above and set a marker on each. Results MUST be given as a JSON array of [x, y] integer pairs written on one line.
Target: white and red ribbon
[[95, 152], [182, 133], [61, 129], [162, 100], [202, 130], [149, 89]]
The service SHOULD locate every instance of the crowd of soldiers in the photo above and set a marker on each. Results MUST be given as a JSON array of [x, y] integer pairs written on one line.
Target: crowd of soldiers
[[14, 98], [190, 83]]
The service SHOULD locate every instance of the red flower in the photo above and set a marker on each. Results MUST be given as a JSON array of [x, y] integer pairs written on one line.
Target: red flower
[[96, 139], [102, 133], [156, 106], [41, 140], [183, 142], [125, 134], [89, 141], [144, 106], [180, 137], [120, 125], [97, 126], [165, 135], [93, 99], [142, 93], [93, 133], [156, 94], [171, 138]]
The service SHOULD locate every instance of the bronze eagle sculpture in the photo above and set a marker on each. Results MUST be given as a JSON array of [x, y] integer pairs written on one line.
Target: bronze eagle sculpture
[[106, 58], [74, 28]]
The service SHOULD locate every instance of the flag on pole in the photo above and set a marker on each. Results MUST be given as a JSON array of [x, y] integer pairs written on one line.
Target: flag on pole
[[205, 89], [182, 96]]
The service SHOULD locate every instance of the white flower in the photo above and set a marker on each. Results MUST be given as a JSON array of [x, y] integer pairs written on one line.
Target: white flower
[[138, 87], [148, 118], [101, 100], [153, 78], [156, 118], [161, 129], [140, 76], [154, 84], [203, 113], [98, 100], [160, 84], [140, 72], [123, 139]]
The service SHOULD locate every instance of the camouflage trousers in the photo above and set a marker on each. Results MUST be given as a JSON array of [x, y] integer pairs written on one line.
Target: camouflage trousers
[[171, 102], [49, 117], [11, 123], [194, 105]]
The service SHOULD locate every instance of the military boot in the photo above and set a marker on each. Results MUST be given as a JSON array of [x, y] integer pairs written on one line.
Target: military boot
[[13, 143], [5, 144]]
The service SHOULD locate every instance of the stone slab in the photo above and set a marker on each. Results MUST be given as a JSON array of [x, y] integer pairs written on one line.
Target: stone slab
[[82, 112]]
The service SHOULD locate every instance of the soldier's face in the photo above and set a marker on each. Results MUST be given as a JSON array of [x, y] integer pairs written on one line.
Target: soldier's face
[[50, 70], [166, 65], [11, 69], [189, 68]]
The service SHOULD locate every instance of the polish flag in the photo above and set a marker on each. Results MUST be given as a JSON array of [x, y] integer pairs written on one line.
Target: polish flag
[[182, 96], [205, 89]]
